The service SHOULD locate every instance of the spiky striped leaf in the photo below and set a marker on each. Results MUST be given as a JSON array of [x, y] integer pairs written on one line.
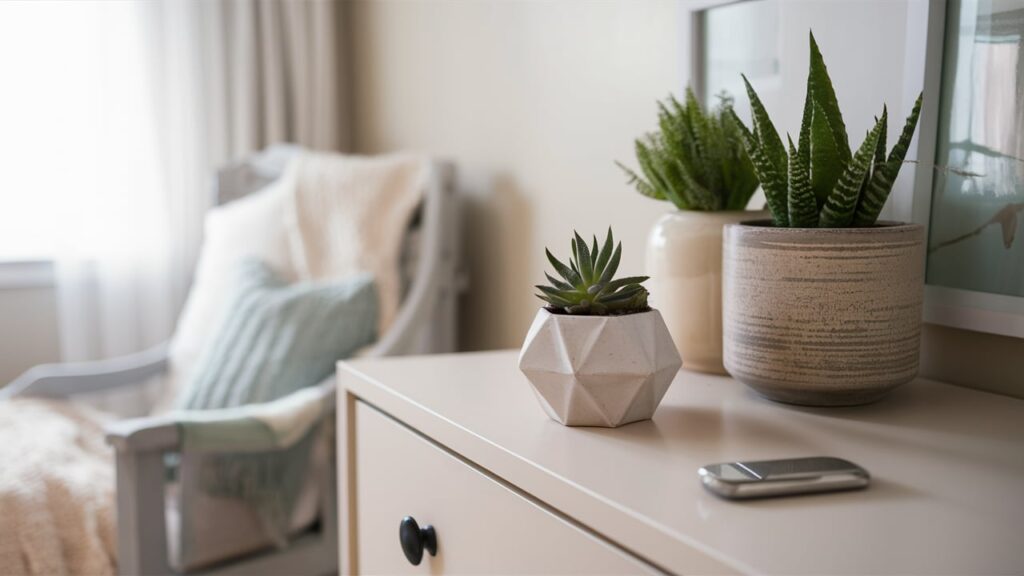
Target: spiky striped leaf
[[767, 135], [827, 164], [803, 141], [882, 139], [775, 189], [882, 180], [824, 95], [842, 201], [803, 208]]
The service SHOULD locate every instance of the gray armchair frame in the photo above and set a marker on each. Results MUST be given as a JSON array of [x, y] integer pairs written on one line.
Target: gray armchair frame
[[425, 323]]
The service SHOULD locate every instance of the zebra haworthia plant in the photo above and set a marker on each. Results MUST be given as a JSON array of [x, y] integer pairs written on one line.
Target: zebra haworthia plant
[[696, 159], [588, 285], [820, 182]]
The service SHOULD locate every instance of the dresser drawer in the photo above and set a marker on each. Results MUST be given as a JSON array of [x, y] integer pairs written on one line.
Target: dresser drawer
[[482, 526]]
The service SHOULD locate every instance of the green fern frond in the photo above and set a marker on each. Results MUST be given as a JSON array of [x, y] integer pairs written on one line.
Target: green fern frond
[[696, 159]]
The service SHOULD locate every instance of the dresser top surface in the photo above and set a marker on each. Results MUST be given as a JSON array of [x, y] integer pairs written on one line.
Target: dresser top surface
[[947, 465]]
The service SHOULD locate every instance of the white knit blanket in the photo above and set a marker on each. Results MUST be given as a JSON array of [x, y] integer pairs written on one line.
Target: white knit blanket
[[56, 490], [348, 214]]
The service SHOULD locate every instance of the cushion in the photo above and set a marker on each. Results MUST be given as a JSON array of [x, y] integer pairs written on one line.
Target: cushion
[[275, 337], [249, 227]]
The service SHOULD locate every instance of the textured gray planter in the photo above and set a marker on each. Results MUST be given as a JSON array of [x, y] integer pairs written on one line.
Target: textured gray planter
[[822, 317]]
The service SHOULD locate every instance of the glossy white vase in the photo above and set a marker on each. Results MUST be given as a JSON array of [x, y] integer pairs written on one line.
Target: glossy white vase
[[599, 370], [684, 261]]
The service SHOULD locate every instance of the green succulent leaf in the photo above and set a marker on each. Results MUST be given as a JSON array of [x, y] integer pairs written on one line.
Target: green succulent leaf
[[613, 266], [841, 204], [883, 178], [583, 261], [605, 255], [593, 290], [823, 93], [622, 282], [558, 283], [570, 275], [803, 207], [827, 163]]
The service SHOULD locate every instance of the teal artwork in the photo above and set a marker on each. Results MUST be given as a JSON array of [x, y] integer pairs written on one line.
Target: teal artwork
[[977, 211]]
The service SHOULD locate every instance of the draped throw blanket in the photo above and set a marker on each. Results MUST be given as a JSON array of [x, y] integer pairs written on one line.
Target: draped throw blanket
[[56, 490], [348, 214]]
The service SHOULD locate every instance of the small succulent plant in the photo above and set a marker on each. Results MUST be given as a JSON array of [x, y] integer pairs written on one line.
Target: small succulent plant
[[696, 159], [588, 285], [821, 182]]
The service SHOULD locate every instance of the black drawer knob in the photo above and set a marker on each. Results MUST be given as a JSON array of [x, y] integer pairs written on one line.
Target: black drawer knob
[[415, 539]]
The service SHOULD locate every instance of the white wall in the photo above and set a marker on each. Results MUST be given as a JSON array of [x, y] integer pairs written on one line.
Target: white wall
[[28, 329], [535, 101]]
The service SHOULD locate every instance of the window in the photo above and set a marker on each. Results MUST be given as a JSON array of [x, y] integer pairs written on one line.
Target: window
[[76, 136]]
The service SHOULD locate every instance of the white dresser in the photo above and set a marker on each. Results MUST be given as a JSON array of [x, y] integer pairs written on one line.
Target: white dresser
[[459, 442]]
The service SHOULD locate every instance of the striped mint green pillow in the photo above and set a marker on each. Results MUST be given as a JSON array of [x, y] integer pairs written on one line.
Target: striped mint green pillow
[[276, 337]]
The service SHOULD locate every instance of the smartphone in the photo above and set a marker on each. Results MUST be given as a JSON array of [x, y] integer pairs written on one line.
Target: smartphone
[[766, 478]]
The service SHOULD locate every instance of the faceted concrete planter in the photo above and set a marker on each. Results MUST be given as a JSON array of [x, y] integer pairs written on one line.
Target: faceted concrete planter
[[822, 316], [599, 370]]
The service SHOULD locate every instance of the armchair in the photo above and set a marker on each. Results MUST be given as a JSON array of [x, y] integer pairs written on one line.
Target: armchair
[[425, 323]]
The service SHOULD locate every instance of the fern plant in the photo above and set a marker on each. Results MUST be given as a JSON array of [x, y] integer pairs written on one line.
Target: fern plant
[[820, 182], [588, 285], [696, 160]]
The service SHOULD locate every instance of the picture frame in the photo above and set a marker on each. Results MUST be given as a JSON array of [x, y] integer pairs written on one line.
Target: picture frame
[[911, 198], [966, 309]]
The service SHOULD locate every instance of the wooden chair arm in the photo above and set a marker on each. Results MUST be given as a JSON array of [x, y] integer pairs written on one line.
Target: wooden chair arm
[[57, 380]]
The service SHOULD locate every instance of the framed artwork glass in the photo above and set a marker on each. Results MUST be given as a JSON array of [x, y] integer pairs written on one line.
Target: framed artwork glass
[[969, 185]]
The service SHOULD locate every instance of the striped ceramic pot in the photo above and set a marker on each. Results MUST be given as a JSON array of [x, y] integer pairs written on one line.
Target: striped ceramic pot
[[822, 317]]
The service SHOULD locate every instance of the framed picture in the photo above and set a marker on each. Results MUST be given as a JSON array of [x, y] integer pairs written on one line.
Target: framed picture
[[969, 182], [967, 186]]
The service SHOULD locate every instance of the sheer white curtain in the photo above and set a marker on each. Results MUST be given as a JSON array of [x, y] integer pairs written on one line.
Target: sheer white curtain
[[121, 111]]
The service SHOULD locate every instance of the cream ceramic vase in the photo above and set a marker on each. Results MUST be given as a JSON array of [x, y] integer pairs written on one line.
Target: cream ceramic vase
[[823, 317], [684, 261], [599, 370]]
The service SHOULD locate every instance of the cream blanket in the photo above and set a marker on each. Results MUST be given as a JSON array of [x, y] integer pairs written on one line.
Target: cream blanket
[[56, 490], [348, 214]]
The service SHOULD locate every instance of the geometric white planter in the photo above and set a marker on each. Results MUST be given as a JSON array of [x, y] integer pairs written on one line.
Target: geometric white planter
[[599, 370]]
